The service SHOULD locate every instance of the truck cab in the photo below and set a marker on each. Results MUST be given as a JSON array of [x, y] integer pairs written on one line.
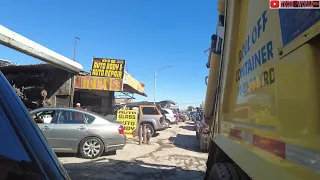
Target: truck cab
[[262, 100]]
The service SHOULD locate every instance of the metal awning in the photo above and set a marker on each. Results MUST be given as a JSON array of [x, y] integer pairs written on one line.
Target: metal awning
[[132, 85], [18, 42]]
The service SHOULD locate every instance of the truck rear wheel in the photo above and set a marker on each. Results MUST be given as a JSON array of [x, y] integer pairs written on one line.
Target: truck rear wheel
[[227, 171]]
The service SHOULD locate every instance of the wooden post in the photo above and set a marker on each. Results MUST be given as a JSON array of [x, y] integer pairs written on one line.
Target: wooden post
[[148, 136], [144, 133], [140, 135], [137, 131]]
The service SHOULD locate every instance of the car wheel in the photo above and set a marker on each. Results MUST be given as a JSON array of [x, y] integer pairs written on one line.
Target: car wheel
[[168, 121], [227, 171], [91, 148], [149, 126]]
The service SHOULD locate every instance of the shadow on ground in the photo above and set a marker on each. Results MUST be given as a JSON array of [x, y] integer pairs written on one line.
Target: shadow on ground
[[103, 168], [66, 155], [110, 153], [188, 142], [156, 134], [190, 128]]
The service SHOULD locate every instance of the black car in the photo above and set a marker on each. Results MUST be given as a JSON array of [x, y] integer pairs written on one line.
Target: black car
[[25, 153]]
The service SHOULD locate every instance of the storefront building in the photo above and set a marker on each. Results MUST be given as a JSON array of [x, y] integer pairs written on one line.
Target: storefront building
[[97, 93], [42, 85], [60, 81]]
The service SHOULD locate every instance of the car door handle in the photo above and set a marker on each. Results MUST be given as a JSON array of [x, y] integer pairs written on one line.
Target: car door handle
[[81, 127], [45, 128]]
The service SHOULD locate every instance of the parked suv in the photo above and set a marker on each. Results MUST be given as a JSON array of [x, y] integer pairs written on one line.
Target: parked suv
[[170, 116], [149, 115]]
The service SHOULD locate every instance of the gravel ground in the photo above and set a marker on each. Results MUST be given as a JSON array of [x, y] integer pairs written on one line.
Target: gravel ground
[[172, 155]]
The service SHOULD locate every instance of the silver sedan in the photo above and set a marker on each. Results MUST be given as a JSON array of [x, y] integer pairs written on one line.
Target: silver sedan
[[70, 130]]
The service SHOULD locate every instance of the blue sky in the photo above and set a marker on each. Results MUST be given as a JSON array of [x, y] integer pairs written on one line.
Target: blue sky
[[148, 34]]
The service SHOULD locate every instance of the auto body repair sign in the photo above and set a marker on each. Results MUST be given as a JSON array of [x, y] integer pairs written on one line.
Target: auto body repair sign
[[129, 118], [104, 67]]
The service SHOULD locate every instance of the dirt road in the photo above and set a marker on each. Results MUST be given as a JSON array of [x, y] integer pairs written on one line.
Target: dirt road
[[172, 155]]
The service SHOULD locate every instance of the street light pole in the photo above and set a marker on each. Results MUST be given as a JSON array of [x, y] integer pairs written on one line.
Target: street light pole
[[75, 46], [154, 90], [155, 78]]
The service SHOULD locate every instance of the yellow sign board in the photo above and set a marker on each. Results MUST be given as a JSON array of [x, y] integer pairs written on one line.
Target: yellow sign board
[[112, 68], [129, 118], [134, 83], [98, 83]]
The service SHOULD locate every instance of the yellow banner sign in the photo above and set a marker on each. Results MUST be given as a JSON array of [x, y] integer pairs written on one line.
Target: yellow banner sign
[[98, 83], [130, 119], [112, 68], [134, 83]]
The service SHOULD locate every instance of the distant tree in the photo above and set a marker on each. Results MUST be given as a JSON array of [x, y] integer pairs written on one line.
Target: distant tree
[[190, 108]]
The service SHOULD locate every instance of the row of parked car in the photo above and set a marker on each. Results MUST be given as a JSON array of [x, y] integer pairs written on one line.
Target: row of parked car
[[70, 130], [153, 116]]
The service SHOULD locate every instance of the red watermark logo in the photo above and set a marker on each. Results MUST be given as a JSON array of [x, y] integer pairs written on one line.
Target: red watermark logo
[[274, 4]]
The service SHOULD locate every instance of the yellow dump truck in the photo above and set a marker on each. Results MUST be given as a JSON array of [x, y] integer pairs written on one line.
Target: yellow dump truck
[[263, 93]]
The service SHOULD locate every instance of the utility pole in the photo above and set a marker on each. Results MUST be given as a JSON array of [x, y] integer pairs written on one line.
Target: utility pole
[[75, 47], [154, 88]]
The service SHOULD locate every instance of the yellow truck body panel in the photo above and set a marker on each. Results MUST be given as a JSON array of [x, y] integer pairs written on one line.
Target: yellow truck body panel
[[268, 115]]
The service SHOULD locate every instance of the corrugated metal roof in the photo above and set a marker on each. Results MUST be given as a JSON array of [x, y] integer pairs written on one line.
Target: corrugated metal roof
[[5, 63], [11, 68], [28, 68], [5, 60], [28, 65]]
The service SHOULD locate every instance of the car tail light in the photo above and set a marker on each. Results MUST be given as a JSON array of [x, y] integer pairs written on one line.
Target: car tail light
[[176, 116], [121, 129]]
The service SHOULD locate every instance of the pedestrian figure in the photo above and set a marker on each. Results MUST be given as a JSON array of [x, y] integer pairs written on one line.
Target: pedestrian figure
[[78, 106], [78, 116]]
